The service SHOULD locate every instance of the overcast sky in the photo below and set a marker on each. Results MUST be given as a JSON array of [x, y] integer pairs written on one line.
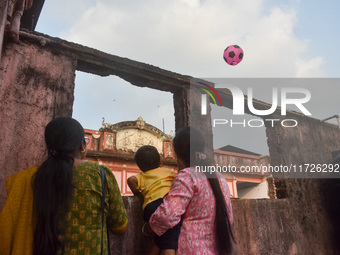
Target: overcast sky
[[288, 38]]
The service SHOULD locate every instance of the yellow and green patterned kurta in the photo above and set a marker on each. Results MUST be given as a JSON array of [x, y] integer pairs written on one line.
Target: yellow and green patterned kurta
[[85, 219]]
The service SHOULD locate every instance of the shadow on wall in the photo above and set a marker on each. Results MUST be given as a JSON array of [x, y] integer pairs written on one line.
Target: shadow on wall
[[331, 194]]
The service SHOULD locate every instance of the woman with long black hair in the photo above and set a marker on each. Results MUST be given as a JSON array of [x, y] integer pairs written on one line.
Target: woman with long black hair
[[57, 209], [202, 199]]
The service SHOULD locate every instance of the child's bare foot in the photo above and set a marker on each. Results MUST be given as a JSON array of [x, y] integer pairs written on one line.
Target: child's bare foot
[[168, 252], [155, 250]]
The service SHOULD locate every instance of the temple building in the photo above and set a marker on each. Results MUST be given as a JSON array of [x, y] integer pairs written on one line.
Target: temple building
[[114, 145], [245, 177]]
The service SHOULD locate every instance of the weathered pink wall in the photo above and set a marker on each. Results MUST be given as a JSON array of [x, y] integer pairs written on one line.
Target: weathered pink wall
[[261, 227], [35, 87], [311, 201]]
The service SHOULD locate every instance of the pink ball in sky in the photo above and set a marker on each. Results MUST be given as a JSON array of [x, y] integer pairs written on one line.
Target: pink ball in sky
[[233, 55]]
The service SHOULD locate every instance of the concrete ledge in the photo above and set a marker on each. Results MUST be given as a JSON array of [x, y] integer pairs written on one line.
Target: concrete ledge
[[261, 226]]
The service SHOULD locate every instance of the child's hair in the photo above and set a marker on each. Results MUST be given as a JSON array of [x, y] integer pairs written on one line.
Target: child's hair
[[147, 158], [187, 142]]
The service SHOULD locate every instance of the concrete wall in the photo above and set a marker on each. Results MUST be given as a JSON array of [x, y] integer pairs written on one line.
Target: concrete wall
[[266, 226], [261, 226], [35, 87], [311, 141], [313, 202]]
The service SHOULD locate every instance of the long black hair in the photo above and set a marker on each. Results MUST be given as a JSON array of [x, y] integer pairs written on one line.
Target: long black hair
[[53, 185], [187, 143]]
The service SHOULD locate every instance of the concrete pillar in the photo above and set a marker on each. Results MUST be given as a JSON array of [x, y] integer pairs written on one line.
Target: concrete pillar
[[187, 103], [3, 18], [35, 87]]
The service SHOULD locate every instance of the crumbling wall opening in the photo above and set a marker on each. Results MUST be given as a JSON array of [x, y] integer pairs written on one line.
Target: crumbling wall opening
[[240, 144], [117, 100], [245, 132]]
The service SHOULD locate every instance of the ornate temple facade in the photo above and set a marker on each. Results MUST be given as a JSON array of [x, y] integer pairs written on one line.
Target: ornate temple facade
[[114, 145]]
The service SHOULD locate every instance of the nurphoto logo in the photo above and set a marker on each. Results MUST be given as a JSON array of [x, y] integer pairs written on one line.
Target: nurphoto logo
[[286, 96], [204, 101]]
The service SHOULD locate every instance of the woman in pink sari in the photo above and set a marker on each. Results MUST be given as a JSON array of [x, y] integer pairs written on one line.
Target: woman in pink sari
[[201, 199]]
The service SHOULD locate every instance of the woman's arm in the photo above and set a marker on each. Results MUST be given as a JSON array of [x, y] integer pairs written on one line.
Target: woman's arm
[[174, 205]]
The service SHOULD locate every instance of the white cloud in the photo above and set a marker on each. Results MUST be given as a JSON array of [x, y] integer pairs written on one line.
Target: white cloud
[[309, 68], [189, 36]]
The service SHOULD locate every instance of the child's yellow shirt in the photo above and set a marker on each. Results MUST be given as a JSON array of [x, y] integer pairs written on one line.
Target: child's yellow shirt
[[155, 183]]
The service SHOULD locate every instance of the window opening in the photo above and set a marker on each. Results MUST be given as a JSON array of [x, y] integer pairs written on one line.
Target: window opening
[[118, 118]]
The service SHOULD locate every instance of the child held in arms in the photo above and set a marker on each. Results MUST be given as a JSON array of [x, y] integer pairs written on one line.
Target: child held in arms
[[154, 183]]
